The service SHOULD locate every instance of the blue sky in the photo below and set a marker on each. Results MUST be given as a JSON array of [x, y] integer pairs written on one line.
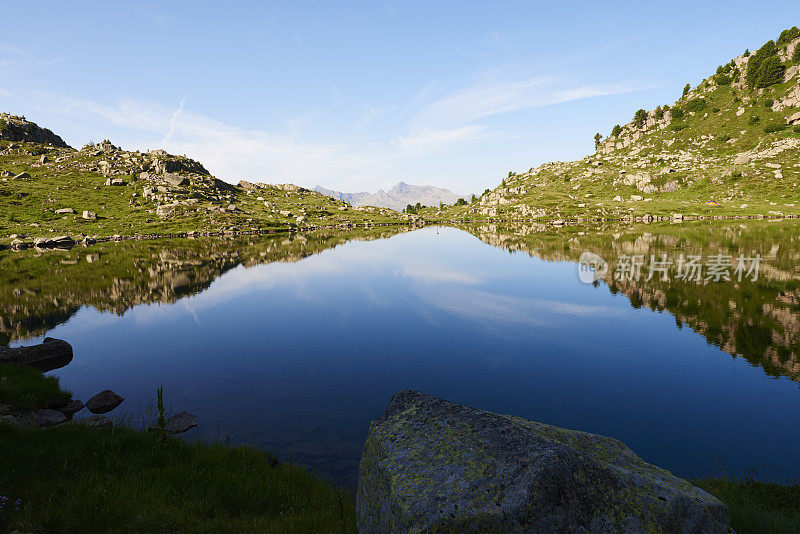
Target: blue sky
[[358, 96]]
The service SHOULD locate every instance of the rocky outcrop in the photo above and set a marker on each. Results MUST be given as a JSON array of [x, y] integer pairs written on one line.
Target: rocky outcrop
[[15, 128], [49, 355], [429, 465]]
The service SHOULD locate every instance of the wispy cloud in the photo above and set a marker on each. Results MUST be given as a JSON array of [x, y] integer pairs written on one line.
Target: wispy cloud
[[16, 58], [428, 140], [228, 151], [501, 93], [158, 18], [173, 121]]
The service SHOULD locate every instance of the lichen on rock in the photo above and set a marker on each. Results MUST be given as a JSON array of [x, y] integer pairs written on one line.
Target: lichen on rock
[[429, 465]]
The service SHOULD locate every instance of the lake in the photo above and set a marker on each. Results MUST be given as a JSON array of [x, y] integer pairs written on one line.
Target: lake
[[294, 343]]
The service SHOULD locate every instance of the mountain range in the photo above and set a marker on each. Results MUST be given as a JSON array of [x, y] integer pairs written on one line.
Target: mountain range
[[398, 197]]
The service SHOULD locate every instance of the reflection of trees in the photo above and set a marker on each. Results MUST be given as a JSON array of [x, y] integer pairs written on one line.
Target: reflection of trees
[[759, 321], [39, 291]]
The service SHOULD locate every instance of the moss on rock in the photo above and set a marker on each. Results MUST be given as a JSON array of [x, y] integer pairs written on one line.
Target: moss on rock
[[429, 465]]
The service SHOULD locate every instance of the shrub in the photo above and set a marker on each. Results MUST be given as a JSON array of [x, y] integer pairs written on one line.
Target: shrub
[[677, 113], [616, 130], [787, 36], [696, 105], [678, 126], [755, 119], [723, 79], [659, 113], [769, 50], [796, 129], [796, 53], [639, 118], [724, 138], [461, 202], [768, 103], [770, 72], [686, 89], [772, 128], [716, 110]]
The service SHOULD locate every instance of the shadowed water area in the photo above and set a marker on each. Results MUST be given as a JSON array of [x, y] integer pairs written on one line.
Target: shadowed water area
[[295, 342]]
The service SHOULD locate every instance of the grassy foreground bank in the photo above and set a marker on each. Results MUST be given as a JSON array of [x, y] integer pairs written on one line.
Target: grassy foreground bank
[[74, 479]]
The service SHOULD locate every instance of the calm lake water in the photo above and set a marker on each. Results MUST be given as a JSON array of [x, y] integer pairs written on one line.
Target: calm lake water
[[294, 344]]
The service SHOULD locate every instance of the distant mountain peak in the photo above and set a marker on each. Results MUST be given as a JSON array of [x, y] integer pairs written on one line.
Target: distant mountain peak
[[398, 197]]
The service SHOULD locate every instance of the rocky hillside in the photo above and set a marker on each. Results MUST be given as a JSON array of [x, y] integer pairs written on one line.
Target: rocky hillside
[[14, 128], [728, 147], [398, 197], [48, 188]]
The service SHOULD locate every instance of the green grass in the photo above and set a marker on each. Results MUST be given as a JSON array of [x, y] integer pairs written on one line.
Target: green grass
[[72, 179], [27, 388], [73, 479], [757, 506]]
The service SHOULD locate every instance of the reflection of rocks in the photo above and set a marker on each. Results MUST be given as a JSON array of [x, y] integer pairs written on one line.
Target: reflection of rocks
[[38, 292], [757, 320], [49, 355], [430, 465]]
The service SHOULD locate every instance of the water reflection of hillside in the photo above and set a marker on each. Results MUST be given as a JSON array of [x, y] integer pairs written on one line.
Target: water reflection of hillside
[[40, 290], [758, 320]]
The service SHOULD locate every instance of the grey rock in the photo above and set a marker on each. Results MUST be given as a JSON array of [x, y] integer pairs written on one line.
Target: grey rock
[[62, 241], [103, 402], [48, 417], [71, 408], [89, 215], [429, 465], [22, 176], [49, 355], [65, 211], [178, 423], [741, 159], [96, 422], [174, 179]]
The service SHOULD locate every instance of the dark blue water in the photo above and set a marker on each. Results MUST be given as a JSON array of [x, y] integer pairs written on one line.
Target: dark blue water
[[301, 356]]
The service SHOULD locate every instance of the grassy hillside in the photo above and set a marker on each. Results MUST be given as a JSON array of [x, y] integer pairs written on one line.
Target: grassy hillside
[[728, 147], [45, 189]]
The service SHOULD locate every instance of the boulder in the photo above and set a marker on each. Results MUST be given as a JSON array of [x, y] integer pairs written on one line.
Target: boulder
[[741, 159], [65, 211], [429, 465], [71, 408], [178, 423], [96, 422], [103, 402], [22, 176], [794, 119], [165, 210], [49, 355], [48, 417], [174, 179], [89, 215], [62, 241]]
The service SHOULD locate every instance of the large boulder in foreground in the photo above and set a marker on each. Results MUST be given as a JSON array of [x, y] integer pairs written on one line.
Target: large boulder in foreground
[[429, 465], [49, 355]]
